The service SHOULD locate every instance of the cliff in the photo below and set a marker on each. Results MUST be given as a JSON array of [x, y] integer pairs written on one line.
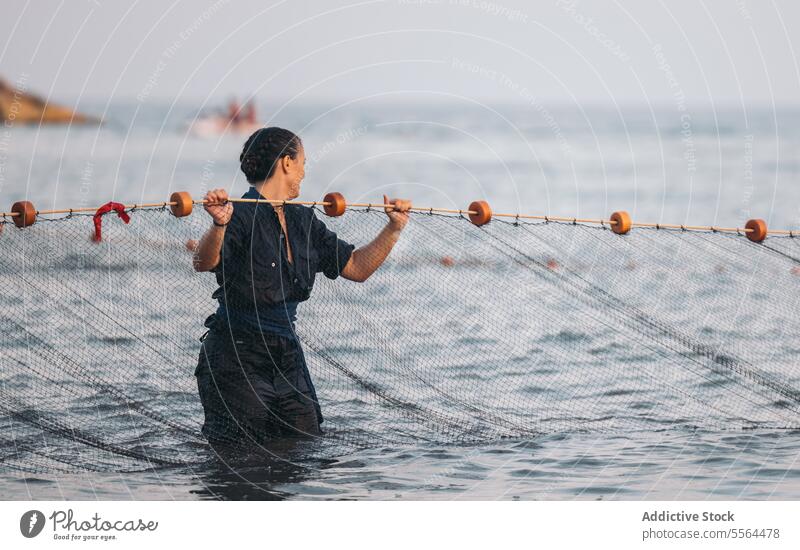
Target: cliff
[[19, 107]]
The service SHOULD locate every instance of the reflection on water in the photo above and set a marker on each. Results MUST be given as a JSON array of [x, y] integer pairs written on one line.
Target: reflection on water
[[664, 465]]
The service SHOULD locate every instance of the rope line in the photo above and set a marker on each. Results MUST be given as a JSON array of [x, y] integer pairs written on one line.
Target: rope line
[[459, 212]]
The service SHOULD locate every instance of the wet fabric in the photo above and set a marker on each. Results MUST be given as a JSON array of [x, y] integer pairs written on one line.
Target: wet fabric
[[254, 387], [278, 319]]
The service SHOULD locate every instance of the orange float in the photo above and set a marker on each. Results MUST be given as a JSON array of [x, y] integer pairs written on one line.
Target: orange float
[[482, 213], [25, 213], [758, 230], [622, 222], [181, 204], [335, 205]]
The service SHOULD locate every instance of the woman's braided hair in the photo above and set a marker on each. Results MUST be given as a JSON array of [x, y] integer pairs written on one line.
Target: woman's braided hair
[[264, 149]]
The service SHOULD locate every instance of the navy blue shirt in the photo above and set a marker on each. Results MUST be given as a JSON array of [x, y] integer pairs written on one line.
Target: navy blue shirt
[[257, 284]]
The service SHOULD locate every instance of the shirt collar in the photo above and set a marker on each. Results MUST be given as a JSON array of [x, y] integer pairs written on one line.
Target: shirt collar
[[252, 193]]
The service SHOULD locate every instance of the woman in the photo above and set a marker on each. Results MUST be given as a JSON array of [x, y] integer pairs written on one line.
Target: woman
[[252, 376]]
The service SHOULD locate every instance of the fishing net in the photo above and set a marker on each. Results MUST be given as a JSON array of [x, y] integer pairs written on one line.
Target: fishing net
[[465, 335]]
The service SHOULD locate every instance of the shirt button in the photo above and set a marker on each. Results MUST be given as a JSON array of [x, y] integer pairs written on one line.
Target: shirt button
[[273, 264]]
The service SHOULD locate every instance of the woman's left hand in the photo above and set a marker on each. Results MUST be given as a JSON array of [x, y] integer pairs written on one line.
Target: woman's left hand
[[398, 216]]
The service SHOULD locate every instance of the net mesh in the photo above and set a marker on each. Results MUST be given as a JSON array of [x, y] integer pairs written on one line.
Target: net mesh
[[465, 335]]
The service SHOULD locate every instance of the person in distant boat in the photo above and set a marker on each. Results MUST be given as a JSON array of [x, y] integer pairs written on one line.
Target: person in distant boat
[[234, 111], [252, 375]]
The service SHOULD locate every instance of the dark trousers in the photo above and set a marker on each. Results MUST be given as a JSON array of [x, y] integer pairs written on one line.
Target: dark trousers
[[255, 387]]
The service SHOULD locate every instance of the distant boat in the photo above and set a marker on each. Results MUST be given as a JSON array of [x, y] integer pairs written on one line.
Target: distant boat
[[20, 107], [236, 120]]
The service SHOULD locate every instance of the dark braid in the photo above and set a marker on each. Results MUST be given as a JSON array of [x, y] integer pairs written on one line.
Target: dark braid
[[264, 149]]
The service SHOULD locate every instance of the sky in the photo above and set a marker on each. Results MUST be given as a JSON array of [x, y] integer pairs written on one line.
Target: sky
[[568, 51]]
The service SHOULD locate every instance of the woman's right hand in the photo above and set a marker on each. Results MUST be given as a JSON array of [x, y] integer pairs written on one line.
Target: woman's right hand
[[218, 207]]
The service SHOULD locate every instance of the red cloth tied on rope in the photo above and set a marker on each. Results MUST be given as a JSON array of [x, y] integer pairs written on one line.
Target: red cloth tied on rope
[[117, 207]]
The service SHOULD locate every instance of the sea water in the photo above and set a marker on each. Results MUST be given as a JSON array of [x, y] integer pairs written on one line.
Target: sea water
[[718, 166]]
